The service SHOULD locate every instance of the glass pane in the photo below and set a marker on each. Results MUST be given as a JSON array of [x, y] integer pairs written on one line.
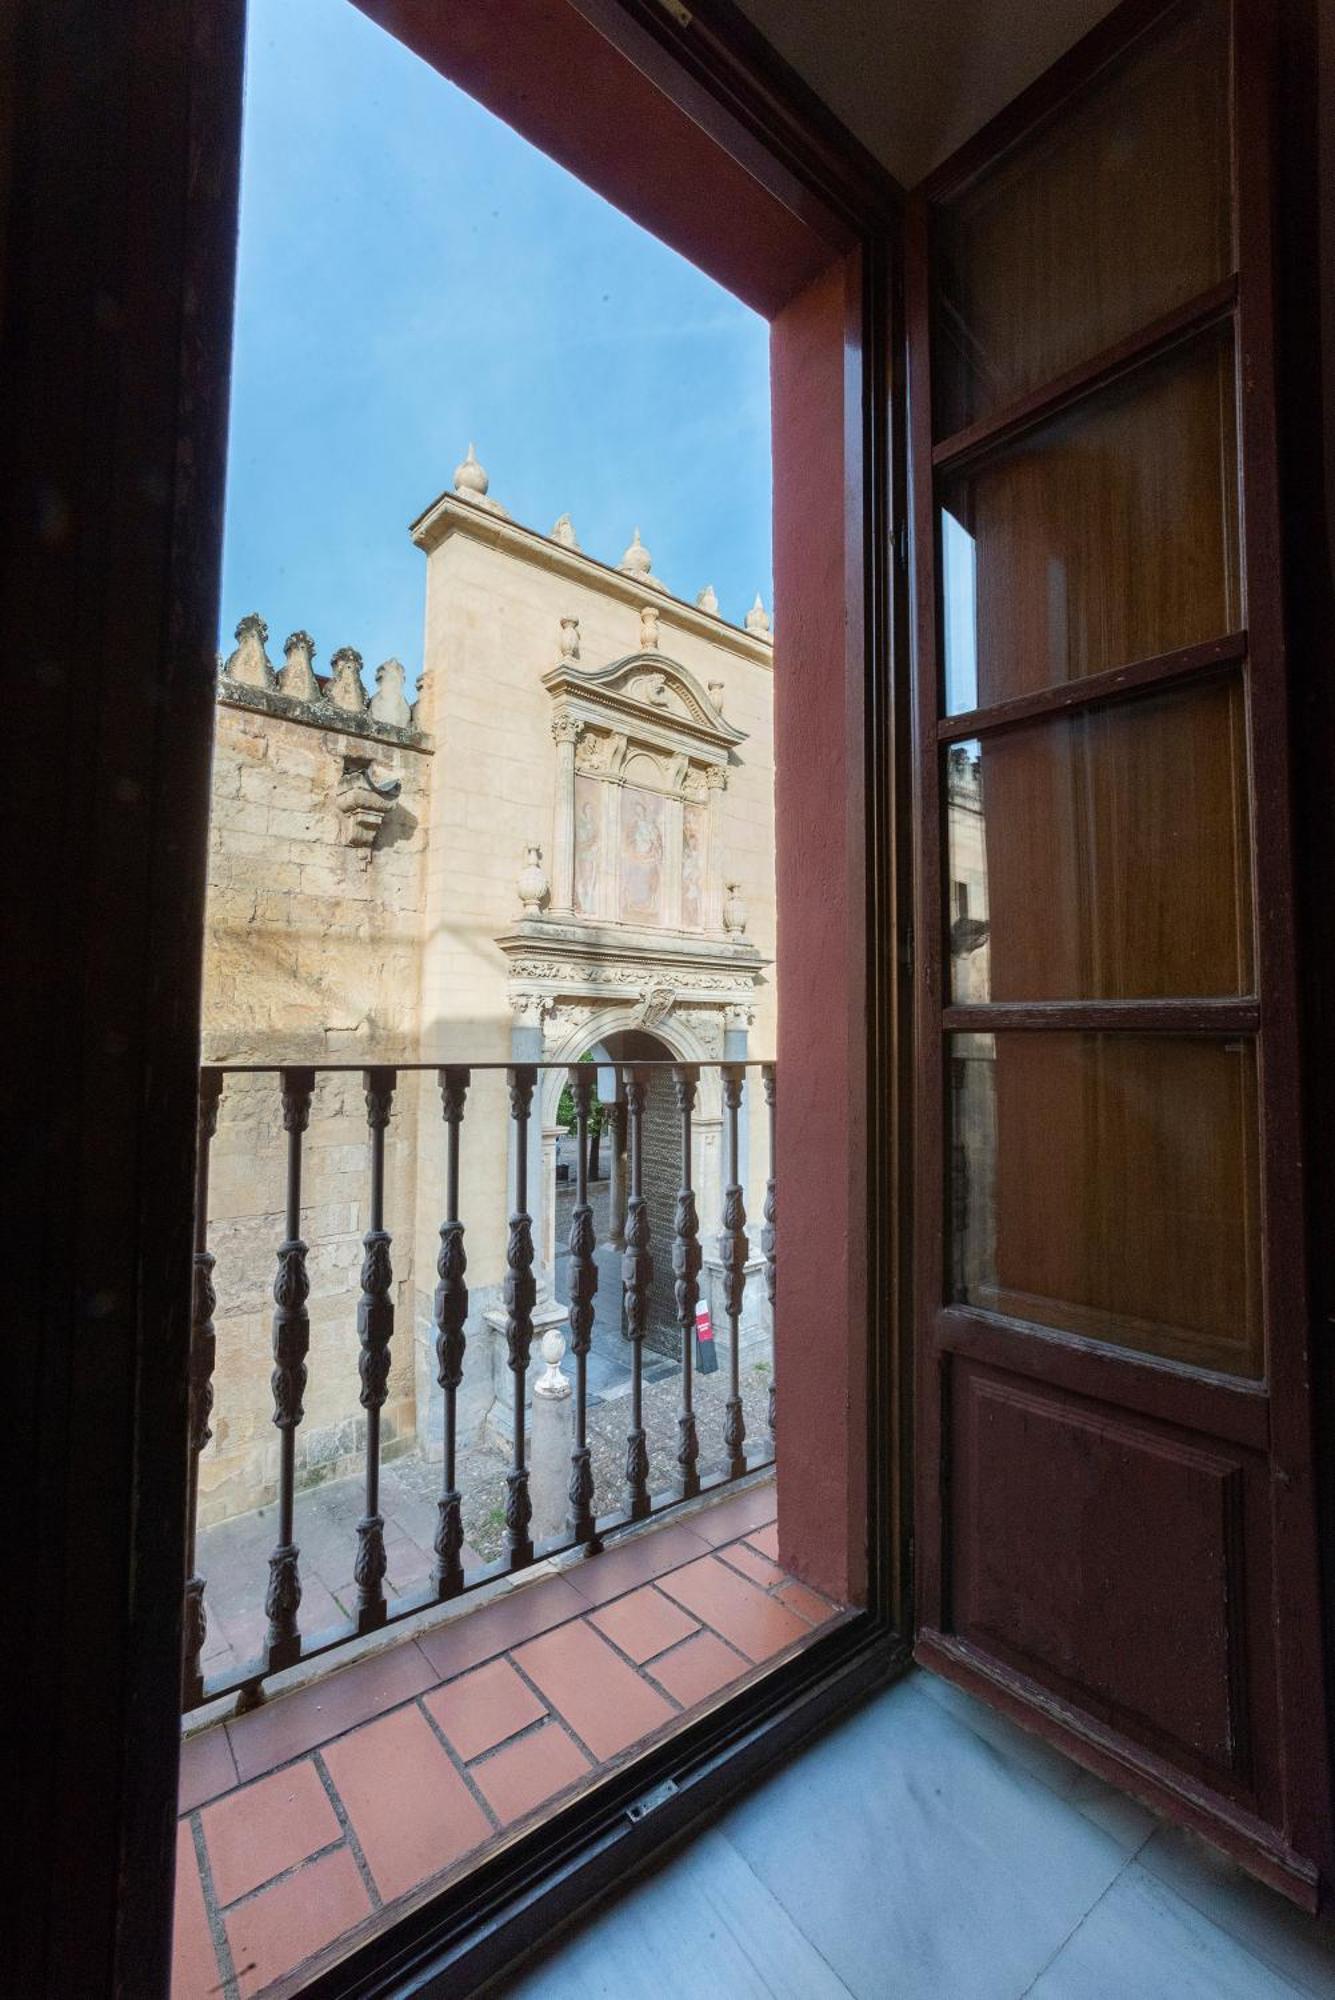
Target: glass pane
[[1107, 535], [1103, 856], [1106, 1185], [1116, 213]]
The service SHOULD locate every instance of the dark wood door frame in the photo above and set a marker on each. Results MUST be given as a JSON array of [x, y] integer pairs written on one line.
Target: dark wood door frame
[[119, 159], [1275, 322]]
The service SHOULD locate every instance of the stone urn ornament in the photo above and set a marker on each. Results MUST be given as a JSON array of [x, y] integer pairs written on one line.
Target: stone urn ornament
[[532, 882], [734, 911]]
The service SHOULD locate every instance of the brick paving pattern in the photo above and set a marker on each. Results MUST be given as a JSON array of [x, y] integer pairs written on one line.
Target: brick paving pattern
[[304, 1822]]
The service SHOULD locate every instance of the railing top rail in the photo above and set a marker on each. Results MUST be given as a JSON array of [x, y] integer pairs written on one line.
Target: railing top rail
[[500, 1068]]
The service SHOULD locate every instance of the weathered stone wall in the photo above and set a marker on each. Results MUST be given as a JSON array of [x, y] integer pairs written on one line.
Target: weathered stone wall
[[312, 956]]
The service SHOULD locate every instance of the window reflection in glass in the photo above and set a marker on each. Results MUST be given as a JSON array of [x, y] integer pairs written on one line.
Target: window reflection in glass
[[966, 852], [1105, 1185], [1103, 855], [959, 583], [1106, 534]]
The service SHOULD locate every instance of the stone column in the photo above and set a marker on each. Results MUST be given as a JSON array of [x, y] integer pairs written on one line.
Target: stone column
[[567, 730], [609, 868], [672, 838], [716, 778]]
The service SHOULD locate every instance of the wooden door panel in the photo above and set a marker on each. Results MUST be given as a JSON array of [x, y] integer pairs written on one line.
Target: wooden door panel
[[1071, 244], [1115, 1532], [1107, 534], [1104, 855], [1106, 1557]]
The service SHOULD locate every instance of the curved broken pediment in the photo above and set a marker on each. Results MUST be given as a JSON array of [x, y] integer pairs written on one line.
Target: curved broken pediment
[[645, 690]]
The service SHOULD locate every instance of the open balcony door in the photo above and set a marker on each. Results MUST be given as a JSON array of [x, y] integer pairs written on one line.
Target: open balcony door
[[1115, 1521]]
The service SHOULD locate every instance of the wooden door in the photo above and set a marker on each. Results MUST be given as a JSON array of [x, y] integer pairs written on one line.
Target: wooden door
[[1115, 1533]]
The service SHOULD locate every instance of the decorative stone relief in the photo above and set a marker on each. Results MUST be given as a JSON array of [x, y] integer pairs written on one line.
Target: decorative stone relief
[[532, 883], [716, 695], [648, 630], [568, 644], [529, 1009], [389, 702], [345, 689], [734, 911], [297, 679], [250, 665], [656, 1006], [364, 801]]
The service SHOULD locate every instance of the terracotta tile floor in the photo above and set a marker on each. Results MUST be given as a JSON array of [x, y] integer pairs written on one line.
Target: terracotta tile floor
[[304, 1821]]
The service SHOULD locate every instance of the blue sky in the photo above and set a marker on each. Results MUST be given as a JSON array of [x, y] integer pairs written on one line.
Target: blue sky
[[412, 275]]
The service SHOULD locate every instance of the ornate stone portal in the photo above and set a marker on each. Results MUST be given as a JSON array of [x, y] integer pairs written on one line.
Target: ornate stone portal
[[638, 935], [636, 928]]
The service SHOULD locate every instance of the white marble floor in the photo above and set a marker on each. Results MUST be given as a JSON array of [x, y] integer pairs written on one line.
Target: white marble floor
[[925, 1849]]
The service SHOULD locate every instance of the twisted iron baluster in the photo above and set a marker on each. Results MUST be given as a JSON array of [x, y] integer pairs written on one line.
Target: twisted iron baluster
[[520, 1294], [768, 1240], [451, 1315], [637, 1269], [291, 1344], [686, 1258], [733, 1249], [583, 1290], [375, 1330], [203, 1351]]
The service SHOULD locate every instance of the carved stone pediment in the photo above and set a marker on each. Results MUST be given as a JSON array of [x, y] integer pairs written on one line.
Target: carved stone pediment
[[649, 696]]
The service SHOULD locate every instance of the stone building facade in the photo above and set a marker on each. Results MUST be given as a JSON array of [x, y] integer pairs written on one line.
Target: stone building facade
[[564, 847]]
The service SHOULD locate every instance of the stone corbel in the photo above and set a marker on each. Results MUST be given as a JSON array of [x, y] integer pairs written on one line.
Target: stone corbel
[[364, 801]]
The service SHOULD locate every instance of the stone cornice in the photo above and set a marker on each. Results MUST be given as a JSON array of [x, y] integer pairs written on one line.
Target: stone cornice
[[322, 715], [544, 951], [450, 515]]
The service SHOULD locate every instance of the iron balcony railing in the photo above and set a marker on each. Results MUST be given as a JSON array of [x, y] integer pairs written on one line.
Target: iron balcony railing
[[285, 1643]]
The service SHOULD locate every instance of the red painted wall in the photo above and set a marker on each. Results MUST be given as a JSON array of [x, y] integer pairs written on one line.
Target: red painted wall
[[821, 1360]]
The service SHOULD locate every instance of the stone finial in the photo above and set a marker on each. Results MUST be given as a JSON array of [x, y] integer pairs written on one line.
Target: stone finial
[[638, 562], [532, 882], [389, 703], [708, 599], [364, 801], [716, 695], [757, 620], [250, 665], [552, 1382], [648, 630], [297, 678], [734, 911], [569, 641], [345, 690], [564, 532], [472, 483], [470, 478]]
